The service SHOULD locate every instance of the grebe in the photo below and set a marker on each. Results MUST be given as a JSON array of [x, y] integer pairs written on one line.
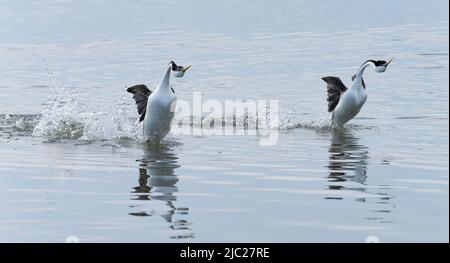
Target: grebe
[[346, 103], [156, 109]]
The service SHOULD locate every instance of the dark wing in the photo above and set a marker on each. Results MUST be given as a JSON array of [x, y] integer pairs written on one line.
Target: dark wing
[[140, 95], [335, 88], [363, 83]]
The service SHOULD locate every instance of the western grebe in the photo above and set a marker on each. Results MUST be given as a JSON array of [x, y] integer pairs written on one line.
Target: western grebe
[[346, 103], [156, 109]]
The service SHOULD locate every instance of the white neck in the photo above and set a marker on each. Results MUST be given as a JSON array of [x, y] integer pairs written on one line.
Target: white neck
[[362, 68], [357, 82], [164, 85]]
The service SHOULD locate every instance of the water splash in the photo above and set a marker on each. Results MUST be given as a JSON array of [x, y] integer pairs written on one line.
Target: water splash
[[67, 116], [118, 122], [61, 119], [296, 120]]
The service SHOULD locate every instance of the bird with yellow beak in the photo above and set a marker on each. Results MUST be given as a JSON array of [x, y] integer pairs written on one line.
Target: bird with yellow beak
[[156, 108]]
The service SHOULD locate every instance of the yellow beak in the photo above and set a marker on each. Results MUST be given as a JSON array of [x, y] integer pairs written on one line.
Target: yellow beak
[[389, 62], [186, 69]]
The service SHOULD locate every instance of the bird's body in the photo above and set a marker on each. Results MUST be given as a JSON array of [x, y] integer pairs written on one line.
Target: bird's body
[[349, 105], [346, 103], [160, 105], [157, 108]]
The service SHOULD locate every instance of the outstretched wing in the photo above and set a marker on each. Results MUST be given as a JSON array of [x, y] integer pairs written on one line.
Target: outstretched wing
[[140, 95], [335, 88]]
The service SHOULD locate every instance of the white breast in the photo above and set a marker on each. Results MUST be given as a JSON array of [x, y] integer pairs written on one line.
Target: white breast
[[349, 106], [159, 115]]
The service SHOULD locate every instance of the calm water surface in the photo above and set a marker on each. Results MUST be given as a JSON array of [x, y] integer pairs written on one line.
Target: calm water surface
[[72, 162]]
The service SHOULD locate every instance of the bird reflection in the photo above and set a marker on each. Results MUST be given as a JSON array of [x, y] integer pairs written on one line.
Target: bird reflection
[[348, 159], [157, 182]]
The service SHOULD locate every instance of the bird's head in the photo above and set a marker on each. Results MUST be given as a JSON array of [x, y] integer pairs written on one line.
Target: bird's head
[[178, 71], [381, 65]]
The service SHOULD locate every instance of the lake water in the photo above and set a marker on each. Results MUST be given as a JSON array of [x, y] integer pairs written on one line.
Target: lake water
[[72, 161]]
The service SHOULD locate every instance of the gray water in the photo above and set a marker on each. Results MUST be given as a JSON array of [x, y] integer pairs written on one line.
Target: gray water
[[72, 160]]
